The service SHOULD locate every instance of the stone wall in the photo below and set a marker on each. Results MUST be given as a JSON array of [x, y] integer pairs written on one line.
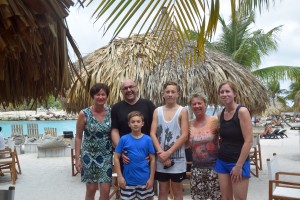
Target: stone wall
[[28, 115]]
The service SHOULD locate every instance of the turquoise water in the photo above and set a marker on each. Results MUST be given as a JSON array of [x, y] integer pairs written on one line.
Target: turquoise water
[[63, 125]]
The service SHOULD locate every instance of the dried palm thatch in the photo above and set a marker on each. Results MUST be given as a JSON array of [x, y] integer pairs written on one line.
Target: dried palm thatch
[[271, 110], [134, 58], [33, 48]]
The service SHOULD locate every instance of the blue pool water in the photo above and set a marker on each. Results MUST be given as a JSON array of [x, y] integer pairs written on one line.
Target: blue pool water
[[63, 125]]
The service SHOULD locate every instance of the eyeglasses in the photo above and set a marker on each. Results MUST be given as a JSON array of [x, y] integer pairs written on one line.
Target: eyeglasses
[[128, 87]]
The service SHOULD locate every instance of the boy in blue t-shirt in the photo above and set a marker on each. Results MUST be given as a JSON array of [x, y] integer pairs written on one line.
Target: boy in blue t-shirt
[[138, 175]]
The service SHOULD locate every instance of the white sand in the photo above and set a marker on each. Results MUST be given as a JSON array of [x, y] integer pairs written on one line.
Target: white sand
[[50, 178]]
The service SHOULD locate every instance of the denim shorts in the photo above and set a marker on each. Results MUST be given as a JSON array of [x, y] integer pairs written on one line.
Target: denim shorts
[[223, 167]]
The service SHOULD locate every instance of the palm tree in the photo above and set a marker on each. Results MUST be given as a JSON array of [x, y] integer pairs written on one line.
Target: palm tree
[[294, 88], [297, 100], [294, 94], [185, 15], [275, 93], [247, 48]]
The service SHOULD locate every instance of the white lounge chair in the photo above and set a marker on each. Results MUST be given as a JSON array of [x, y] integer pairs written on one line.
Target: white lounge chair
[[279, 189]]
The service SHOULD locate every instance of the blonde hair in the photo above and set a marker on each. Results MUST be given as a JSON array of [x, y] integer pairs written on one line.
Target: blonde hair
[[198, 95]]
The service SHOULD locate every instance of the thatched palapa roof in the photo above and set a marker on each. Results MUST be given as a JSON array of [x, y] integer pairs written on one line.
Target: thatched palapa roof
[[33, 49], [134, 58], [271, 110]]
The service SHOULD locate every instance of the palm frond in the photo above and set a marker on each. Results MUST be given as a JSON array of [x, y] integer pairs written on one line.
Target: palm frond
[[278, 73], [248, 5]]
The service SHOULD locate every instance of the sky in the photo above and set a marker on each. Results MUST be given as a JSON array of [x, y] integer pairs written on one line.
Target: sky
[[89, 36]]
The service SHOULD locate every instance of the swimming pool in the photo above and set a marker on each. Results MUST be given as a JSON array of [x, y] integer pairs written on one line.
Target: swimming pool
[[60, 125]]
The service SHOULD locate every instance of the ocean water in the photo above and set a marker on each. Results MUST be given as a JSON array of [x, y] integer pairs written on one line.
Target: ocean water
[[61, 126]]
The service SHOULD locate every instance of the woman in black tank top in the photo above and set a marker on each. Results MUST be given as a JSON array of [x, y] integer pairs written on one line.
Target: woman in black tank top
[[233, 166]]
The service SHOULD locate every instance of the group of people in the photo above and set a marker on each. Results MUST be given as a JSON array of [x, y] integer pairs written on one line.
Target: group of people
[[144, 143]]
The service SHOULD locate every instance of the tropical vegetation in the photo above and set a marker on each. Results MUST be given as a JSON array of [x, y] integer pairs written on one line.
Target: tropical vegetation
[[248, 48], [276, 93], [50, 102], [294, 94]]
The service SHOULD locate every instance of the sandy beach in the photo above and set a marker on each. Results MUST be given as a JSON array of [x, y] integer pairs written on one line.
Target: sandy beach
[[50, 178]]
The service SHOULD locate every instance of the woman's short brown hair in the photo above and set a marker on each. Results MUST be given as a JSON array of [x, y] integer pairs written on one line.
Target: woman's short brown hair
[[97, 87]]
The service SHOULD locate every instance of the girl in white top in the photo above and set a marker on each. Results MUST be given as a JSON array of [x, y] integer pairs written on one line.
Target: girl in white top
[[169, 132]]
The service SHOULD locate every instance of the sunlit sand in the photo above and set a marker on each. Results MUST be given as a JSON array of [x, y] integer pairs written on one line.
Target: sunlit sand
[[51, 179]]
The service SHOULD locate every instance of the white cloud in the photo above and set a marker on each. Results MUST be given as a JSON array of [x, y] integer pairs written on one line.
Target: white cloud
[[88, 33], [85, 32], [284, 13]]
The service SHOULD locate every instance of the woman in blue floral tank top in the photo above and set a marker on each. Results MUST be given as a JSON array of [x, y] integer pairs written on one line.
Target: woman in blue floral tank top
[[93, 149]]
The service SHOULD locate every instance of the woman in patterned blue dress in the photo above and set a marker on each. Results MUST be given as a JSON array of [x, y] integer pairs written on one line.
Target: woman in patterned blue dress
[[93, 149]]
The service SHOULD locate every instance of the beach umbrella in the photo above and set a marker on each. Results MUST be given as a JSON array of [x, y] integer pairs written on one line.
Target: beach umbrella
[[33, 48], [271, 110], [134, 58]]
